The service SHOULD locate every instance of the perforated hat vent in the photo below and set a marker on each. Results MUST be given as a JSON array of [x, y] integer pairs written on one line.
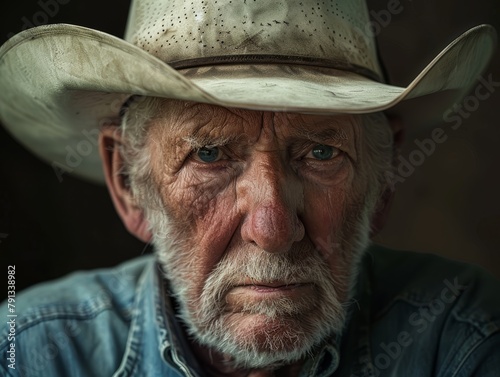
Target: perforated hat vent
[[193, 33]]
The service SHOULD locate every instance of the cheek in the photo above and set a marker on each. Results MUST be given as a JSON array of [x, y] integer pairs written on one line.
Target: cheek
[[204, 217], [332, 221], [328, 229], [323, 219], [325, 202]]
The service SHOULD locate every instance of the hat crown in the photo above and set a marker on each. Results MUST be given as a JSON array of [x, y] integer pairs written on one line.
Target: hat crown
[[190, 33]]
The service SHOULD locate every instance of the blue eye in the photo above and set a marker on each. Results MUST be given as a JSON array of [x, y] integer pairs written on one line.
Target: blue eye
[[208, 154], [323, 152]]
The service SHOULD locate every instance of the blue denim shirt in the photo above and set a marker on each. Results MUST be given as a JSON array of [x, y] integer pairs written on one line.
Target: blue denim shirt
[[413, 315]]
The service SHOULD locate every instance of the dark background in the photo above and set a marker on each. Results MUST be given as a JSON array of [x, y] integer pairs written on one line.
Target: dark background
[[450, 205]]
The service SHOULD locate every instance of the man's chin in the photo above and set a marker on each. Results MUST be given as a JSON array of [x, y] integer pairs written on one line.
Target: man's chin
[[266, 334], [256, 341]]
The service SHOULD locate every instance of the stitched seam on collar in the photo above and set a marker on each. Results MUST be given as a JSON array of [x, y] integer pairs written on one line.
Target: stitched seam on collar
[[131, 356]]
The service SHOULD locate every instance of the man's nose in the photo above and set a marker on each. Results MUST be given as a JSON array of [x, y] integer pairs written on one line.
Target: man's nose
[[271, 200]]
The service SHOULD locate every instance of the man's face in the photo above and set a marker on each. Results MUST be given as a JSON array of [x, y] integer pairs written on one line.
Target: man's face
[[261, 224]]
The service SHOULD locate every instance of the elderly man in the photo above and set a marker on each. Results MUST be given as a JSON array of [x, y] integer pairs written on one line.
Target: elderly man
[[246, 141]]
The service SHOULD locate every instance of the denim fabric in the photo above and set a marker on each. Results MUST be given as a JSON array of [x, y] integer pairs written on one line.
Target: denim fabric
[[412, 315]]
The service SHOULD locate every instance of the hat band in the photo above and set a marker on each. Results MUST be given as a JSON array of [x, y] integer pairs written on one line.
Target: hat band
[[275, 59]]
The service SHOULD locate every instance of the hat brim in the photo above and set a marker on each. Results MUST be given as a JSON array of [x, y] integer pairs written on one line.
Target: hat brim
[[60, 83]]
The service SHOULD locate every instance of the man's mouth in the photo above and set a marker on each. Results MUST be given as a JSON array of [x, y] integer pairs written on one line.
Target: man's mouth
[[273, 287], [278, 297], [262, 290]]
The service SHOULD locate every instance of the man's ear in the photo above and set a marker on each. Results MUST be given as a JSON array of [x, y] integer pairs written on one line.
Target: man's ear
[[131, 214], [384, 204]]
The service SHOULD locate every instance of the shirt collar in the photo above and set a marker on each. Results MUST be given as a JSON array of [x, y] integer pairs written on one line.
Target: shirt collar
[[355, 345], [155, 336], [324, 363], [177, 349]]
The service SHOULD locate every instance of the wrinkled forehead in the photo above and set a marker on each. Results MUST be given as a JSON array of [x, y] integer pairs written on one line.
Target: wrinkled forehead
[[178, 119]]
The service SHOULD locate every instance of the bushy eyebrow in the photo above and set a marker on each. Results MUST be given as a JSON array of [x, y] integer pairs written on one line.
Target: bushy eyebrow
[[199, 141], [335, 135]]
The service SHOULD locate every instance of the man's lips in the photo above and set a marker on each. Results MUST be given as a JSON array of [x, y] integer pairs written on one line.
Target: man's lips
[[286, 298], [273, 284], [241, 298], [272, 287]]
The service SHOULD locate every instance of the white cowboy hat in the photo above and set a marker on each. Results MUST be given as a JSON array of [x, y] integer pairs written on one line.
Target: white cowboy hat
[[60, 83]]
